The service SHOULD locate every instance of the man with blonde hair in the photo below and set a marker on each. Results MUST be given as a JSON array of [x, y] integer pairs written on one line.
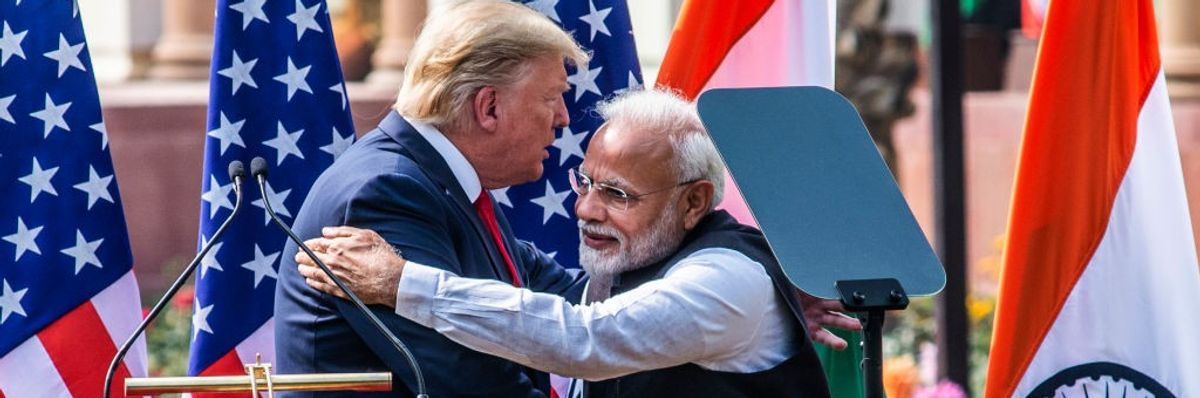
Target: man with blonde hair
[[683, 301], [482, 96]]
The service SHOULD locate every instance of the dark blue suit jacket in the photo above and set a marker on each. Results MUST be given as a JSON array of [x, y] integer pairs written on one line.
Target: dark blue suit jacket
[[394, 182]]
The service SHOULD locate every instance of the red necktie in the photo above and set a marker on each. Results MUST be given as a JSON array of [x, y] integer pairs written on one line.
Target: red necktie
[[483, 206]]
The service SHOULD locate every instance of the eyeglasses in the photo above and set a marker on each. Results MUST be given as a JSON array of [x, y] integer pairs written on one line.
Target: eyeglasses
[[614, 198]]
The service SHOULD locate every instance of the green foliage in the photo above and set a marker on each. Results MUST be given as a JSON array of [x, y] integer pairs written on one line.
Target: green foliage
[[168, 338]]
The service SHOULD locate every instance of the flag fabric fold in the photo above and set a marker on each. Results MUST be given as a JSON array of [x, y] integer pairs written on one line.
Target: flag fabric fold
[[68, 297], [1100, 273], [276, 91]]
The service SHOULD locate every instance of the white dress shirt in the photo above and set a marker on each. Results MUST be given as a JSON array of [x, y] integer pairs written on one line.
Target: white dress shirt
[[717, 308]]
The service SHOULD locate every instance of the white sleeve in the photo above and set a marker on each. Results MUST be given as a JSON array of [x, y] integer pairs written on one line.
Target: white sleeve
[[704, 308]]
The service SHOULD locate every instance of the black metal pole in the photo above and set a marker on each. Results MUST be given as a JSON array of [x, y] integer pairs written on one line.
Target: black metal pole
[[946, 81], [873, 354]]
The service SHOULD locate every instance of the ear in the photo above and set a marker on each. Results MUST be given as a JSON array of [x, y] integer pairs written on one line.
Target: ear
[[696, 200], [484, 108]]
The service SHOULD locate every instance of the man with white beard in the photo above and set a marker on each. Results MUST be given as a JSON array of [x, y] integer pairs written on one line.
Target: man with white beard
[[682, 300]]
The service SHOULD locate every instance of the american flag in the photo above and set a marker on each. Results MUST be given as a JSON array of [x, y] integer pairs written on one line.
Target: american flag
[[68, 296], [276, 91], [543, 211]]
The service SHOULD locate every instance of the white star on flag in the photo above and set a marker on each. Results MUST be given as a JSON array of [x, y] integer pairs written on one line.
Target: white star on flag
[[546, 7], [501, 195], [96, 187], [340, 88], [25, 238], [209, 261], [595, 19], [338, 145], [251, 10], [99, 128], [277, 199], [5, 102], [84, 252], [10, 44], [584, 80], [67, 55], [262, 265], [633, 85], [569, 144], [305, 19], [217, 196], [228, 133], [10, 301], [294, 79], [552, 203], [285, 144], [39, 180], [52, 116], [200, 319], [238, 72]]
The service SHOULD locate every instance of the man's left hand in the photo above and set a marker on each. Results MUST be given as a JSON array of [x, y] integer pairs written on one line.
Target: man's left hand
[[820, 314], [362, 259]]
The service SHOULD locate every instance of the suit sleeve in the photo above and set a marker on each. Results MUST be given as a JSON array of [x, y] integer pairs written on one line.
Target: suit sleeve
[[411, 215], [547, 276]]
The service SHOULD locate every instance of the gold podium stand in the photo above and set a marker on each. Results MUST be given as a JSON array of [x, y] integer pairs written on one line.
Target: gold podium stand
[[258, 378]]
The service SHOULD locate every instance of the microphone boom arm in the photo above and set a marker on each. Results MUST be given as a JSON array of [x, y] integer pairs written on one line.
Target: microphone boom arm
[[260, 176], [179, 282]]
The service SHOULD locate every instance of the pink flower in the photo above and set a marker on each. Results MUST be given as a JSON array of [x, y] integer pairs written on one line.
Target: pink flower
[[945, 389]]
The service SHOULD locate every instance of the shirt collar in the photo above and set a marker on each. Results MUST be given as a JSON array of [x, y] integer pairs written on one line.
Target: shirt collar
[[467, 178]]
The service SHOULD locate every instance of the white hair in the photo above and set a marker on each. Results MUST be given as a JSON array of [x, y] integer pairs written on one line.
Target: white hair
[[696, 158]]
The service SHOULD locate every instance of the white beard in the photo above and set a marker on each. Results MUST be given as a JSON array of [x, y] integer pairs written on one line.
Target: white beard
[[662, 240]]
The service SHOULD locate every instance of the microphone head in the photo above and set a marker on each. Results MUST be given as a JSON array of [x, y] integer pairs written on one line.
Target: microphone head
[[258, 166], [236, 169]]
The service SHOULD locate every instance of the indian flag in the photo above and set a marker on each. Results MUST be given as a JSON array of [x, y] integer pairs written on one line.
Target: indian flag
[[1100, 284], [760, 43]]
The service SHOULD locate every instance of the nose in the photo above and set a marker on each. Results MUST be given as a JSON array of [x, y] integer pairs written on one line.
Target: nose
[[561, 117], [589, 208]]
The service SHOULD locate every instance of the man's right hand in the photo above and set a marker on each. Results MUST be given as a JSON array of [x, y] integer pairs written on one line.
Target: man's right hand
[[362, 259]]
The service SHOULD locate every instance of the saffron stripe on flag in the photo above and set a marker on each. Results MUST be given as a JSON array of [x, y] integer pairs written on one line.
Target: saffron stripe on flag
[[698, 47], [1100, 260], [1081, 171]]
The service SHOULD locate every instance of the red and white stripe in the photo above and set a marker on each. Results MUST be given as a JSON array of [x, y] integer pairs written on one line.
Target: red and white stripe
[[752, 43], [69, 357], [1100, 263], [261, 342]]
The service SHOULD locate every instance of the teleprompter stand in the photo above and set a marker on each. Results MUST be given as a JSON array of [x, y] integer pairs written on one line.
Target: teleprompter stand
[[825, 201], [874, 297]]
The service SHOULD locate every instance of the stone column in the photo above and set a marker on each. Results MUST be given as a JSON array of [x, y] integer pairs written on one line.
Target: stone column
[[1181, 46], [120, 36], [184, 50], [400, 21]]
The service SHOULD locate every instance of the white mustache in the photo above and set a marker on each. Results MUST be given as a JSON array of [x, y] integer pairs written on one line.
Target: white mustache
[[600, 229]]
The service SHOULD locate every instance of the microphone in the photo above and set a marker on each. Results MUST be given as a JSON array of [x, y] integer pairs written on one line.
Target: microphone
[[258, 169], [237, 173]]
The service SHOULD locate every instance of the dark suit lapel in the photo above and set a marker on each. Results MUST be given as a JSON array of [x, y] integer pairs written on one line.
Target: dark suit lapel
[[420, 151]]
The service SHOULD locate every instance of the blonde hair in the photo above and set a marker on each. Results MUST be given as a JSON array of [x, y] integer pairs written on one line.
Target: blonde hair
[[472, 45]]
